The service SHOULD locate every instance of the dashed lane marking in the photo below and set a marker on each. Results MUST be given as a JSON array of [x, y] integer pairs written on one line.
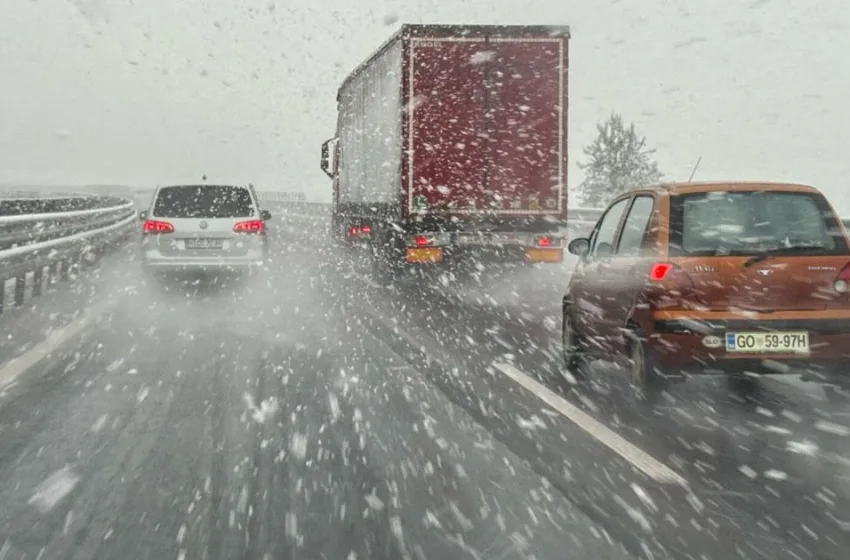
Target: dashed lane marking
[[638, 458], [10, 371]]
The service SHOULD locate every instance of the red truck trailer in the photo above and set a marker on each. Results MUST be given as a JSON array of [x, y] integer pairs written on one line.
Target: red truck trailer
[[451, 148]]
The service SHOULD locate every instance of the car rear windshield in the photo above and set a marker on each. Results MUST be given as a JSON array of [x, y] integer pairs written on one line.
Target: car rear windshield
[[753, 222], [205, 201]]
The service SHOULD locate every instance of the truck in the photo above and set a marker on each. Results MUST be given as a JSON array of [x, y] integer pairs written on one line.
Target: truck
[[451, 149]]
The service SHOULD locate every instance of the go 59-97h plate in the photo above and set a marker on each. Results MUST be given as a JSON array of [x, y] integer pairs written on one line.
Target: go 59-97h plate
[[765, 342]]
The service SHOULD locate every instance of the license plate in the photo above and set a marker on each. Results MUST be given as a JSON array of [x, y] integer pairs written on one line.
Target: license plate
[[424, 255], [203, 243], [544, 255], [791, 342]]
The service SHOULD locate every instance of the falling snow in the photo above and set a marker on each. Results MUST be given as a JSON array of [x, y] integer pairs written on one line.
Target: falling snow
[[53, 489], [429, 354]]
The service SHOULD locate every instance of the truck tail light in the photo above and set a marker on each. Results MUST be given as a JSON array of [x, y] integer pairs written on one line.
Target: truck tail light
[[250, 226], [359, 231], [842, 282], [156, 226], [429, 239]]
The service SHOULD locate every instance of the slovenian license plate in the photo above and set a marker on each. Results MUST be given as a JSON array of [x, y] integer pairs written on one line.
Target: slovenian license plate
[[792, 342], [203, 243]]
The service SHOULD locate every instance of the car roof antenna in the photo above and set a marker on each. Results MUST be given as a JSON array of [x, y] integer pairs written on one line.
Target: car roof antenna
[[695, 169]]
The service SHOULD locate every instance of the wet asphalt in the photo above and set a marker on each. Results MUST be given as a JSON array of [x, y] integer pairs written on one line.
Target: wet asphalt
[[307, 412]]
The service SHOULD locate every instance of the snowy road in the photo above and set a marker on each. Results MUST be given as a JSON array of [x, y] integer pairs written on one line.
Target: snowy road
[[312, 414]]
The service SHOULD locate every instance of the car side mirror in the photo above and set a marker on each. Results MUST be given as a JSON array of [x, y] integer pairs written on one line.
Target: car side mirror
[[265, 215], [579, 246], [604, 250], [326, 158], [143, 215]]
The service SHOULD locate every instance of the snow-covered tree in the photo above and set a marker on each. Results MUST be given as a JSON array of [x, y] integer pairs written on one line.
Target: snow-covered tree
[[617, 161]]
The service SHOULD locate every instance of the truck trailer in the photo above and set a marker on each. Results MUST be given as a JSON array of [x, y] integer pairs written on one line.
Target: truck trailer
[[451, 148]]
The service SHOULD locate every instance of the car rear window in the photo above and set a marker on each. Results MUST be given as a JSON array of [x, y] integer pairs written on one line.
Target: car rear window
[[752, 222], [204, 201]]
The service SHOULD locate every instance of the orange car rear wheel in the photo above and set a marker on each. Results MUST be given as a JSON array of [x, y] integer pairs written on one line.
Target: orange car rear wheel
[[643, 371], [573, 349]]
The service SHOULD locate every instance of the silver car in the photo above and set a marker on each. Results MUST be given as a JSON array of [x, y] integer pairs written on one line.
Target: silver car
[[204, 228]]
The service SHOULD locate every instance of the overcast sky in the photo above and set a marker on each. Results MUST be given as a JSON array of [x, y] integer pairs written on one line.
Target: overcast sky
[[159, 91]]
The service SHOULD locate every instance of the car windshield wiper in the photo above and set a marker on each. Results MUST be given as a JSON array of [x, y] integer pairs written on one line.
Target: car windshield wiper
[[779, 251]]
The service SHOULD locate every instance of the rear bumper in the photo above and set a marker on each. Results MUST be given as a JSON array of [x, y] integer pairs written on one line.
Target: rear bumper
[[696, 342], [202, 265]]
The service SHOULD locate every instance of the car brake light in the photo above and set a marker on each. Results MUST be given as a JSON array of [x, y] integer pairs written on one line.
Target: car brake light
[[155, 226], [659, 271], [842, 283], [422, 241], [251, 226], [366, 230], [669, 273], [544, 242]]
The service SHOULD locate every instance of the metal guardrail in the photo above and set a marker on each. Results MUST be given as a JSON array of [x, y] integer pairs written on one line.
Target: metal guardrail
[[57, 234]]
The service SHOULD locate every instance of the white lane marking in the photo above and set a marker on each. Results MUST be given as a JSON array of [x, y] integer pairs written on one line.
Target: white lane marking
[[14, 368], [601, 433]]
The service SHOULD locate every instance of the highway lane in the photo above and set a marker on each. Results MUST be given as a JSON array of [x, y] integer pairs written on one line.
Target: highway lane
[[772, 467], [310, 413], [257, 421]]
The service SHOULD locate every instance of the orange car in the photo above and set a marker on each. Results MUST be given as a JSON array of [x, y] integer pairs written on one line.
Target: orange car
[[728, 277]]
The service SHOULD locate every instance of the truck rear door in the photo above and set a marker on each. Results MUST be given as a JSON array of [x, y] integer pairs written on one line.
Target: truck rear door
[[523, 167], [447, 135], [488, 130]]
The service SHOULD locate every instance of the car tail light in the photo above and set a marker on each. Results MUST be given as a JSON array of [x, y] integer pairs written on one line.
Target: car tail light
[[842, 283], [156, 226], [353, 231], [669, 286], [422, 241], [659, 271], [251, 226], [367, 229], [668, 274], [544, 242]]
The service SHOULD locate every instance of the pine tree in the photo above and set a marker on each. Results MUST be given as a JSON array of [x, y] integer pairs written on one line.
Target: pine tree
[[617, 161]]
